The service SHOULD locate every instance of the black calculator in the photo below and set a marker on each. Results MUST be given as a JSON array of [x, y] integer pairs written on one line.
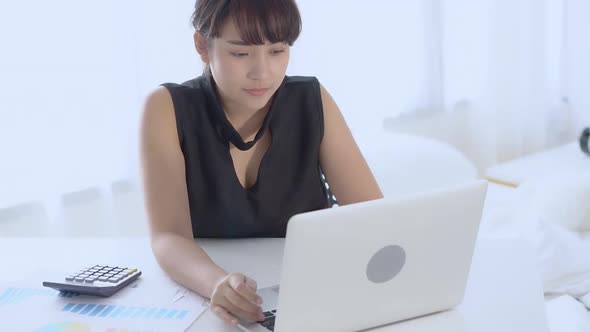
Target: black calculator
[[99, 280]]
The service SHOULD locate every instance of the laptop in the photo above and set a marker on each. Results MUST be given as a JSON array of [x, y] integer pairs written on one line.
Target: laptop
[[373, 263]]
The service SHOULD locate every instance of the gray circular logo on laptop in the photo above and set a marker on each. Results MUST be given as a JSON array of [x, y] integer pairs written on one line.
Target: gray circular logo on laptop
[[386, 264]]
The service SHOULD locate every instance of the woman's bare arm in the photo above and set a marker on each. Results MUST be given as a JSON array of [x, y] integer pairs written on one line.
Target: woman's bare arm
[[166, 199], [346, 170]]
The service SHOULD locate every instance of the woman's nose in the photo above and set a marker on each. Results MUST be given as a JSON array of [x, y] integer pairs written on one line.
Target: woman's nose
[[260, 69]]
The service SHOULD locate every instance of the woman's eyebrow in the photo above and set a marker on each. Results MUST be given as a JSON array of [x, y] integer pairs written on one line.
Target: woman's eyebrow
[[238, 42], [245, 43]]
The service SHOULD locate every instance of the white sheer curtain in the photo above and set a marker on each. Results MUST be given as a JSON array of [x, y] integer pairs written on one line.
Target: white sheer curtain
[[577, 73], [506, 77], [505, 65]]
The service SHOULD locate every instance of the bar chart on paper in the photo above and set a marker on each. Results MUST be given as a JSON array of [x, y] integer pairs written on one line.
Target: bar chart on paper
[[81, 327], [16, 295], [95, 317], [140, 307], [121, 311]]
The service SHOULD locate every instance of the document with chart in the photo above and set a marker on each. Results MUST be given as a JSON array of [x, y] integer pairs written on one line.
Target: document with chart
[[151, 304]]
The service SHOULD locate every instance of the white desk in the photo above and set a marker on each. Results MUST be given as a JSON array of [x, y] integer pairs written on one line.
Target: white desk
[[503, 293]]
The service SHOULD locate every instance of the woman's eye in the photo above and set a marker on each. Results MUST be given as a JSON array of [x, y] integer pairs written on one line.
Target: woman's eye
[[278, 51], [239, 55]]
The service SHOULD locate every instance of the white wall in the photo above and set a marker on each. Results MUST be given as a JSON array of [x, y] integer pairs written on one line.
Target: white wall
[[67, 93]]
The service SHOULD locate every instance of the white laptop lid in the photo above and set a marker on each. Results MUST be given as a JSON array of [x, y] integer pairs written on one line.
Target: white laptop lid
[[339, 266]]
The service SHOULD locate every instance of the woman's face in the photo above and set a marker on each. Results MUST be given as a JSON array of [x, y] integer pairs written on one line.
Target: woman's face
[[246, 75]]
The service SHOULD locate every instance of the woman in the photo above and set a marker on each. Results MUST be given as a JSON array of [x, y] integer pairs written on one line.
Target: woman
[[239, 150]]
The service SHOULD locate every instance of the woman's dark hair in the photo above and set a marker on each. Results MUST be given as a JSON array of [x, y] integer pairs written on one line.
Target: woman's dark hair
[[256, 20]]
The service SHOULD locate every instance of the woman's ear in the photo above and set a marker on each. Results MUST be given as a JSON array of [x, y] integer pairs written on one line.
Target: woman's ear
[[201, 47]]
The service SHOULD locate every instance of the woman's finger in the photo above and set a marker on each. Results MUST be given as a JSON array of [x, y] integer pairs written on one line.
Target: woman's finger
[[239, 312], [240, 285], [225, 315], [242, 303], [252, 283]]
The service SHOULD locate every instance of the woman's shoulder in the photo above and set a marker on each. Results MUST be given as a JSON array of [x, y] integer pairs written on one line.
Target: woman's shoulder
[[158, 100], [196, 83], [187, 96], [301, 80], [168, 101], [158, 119], [304, 87]]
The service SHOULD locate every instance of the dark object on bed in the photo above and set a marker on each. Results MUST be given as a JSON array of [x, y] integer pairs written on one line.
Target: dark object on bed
[[584, 141]]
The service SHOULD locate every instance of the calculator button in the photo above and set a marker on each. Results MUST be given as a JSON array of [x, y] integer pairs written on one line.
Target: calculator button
[[89, 280], [80, 279], [113, 280], [70, 278], [130, 271], [103, 279]]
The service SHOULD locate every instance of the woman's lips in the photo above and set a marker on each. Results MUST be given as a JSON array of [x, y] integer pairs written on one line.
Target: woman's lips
[[256, 92]]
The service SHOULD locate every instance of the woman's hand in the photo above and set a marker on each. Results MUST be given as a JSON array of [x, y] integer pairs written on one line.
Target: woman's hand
[[235, 298]]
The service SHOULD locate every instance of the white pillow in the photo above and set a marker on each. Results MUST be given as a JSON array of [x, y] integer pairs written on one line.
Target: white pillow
[[551, 213], [566, 314], [405, 164], [560, 198]]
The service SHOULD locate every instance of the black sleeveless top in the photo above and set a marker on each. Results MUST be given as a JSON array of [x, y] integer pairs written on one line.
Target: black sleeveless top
[[289, 177]]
